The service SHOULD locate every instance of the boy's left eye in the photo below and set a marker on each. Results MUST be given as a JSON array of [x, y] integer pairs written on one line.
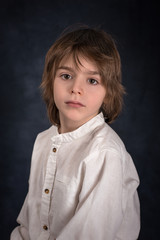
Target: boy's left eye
[[93, 81]]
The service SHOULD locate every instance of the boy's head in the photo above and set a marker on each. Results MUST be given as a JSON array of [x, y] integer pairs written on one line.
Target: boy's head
[[96, 46]]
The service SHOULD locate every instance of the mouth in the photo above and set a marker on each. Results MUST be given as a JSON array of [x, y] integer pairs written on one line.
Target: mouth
[[74, 104]]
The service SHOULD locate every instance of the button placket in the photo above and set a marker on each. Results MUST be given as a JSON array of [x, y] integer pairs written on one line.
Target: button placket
[[48, 185]]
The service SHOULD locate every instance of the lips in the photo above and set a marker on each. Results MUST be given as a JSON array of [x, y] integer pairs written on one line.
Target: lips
[[74, 104]]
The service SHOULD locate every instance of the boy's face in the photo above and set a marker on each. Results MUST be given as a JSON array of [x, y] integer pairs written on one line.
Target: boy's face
[[78, 93]]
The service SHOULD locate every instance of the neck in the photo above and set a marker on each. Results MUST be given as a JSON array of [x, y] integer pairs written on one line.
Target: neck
[[64, 128]]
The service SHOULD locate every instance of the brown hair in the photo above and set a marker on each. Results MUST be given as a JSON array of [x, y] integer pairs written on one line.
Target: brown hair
[[95, 45]]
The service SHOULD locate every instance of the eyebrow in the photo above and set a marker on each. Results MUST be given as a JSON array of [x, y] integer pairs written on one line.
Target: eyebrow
[[71, 69], [65, 68]]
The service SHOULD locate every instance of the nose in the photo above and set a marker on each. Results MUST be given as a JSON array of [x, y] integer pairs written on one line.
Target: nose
[[77, 87], [74, 91]]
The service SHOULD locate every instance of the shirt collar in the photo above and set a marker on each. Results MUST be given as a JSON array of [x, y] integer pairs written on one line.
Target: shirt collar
[[79, 132]]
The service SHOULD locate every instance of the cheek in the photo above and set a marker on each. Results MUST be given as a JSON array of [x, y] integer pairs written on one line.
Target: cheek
[[102, 95], [56, 92], [96, 100], [57, 88], [59, 94]]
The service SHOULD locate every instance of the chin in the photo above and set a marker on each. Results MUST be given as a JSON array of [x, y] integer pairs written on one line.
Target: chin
[[75, 117]]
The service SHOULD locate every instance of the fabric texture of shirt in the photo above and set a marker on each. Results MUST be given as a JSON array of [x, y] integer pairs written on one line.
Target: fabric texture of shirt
[[82, 186]]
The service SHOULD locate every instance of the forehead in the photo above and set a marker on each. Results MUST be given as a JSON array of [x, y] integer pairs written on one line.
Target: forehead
[[79, 62]]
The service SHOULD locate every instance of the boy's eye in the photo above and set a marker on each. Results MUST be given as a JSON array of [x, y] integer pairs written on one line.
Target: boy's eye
[[93, 81], [66, 76]]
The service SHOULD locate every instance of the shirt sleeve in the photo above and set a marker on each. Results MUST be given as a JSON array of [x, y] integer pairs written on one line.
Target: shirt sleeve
[[108, 203], [21, 231]]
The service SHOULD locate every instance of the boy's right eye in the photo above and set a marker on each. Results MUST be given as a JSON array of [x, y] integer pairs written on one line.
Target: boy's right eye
[[66, 76]]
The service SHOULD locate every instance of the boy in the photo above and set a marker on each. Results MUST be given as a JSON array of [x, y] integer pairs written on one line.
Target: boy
[[83, 183]]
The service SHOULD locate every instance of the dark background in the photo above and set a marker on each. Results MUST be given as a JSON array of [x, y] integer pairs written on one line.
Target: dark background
[[27, 30]]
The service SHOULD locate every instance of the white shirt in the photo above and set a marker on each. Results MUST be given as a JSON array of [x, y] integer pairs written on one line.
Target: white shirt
[[82, 186]]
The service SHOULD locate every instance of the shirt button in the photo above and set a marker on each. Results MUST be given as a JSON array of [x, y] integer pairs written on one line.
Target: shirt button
[[46, 191], [54, 150], [45, 227]]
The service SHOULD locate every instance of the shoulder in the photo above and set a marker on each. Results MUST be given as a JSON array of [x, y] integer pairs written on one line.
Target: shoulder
[[108, 140], [113, 147], [47, 133], [45, 136], [42, 145], [109, 149]]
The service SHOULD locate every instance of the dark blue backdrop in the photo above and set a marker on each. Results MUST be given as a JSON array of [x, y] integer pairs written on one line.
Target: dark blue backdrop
[[27, 29]]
